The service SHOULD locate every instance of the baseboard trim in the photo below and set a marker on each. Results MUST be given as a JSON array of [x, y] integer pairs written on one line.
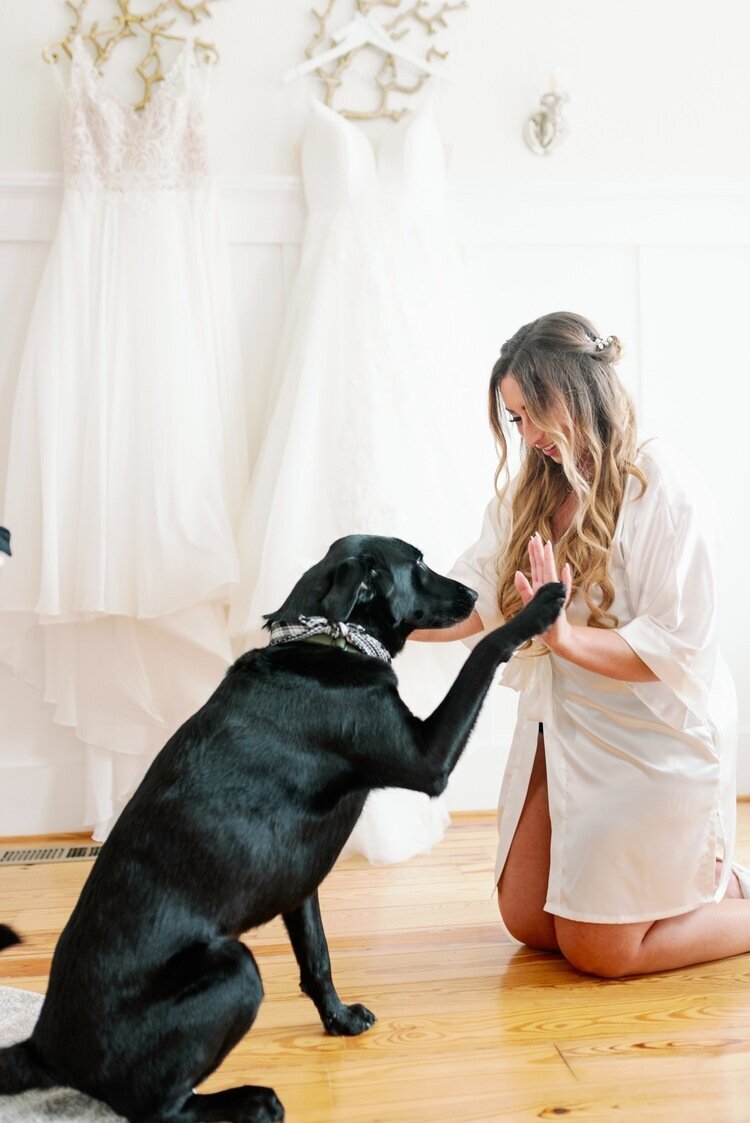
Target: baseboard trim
[[21, 841]]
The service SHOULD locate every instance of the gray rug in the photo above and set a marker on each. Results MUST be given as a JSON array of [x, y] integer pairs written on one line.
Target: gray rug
[[19, 1010]]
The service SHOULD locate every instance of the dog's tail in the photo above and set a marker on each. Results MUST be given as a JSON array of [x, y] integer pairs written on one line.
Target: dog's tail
[[20, 1068], [8, 937]]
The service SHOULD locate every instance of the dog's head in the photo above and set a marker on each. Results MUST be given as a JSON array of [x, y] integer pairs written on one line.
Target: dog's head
[[382, 584]]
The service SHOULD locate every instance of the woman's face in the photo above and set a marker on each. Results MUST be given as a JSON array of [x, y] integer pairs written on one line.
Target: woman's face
[[534, 437]]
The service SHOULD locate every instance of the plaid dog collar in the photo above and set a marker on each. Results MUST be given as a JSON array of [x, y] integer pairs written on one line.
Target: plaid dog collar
[[344, 635]]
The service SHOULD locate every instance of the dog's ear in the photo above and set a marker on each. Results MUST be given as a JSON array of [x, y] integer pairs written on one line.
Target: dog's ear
[[382, 582], [349, 587]]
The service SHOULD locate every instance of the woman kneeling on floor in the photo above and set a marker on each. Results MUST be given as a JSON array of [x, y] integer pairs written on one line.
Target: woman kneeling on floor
[[617, 810]]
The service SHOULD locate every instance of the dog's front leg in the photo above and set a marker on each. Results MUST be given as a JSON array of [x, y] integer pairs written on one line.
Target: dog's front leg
[[305, 928], [444, 734]]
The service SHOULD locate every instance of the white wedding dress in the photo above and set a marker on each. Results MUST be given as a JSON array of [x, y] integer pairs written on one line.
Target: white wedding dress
[[379, 421], [128, 453]]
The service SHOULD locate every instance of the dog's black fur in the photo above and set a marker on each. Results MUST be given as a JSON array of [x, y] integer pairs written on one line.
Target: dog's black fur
[[238, 820]]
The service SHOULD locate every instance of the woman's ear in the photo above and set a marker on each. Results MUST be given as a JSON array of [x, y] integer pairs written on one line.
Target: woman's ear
[[349, 588]]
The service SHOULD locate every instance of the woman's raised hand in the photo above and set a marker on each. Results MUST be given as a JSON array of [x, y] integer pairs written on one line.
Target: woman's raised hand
[[544, 570]]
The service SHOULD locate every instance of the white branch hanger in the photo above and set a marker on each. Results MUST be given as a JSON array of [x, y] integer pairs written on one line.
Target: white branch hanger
[[362, 31]]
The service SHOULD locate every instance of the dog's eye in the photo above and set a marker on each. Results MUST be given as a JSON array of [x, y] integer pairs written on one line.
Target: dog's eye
[[420, 564]]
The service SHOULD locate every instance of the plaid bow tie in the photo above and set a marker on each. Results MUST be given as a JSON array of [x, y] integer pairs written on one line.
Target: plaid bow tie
[[308, 626]]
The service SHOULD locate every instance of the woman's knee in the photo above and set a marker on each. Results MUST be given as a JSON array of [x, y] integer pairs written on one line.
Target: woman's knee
[[609, 951], [531, 927]]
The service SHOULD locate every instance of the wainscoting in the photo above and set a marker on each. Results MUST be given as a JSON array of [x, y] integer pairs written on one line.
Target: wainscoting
[[666, 267]]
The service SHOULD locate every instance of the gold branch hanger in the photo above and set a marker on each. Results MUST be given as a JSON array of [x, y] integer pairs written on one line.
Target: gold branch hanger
[[127, 24]]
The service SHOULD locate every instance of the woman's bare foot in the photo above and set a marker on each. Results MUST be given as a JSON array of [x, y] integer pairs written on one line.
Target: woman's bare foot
[[733, 888]]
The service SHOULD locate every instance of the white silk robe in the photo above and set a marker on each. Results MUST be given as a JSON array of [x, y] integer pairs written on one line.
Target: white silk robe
[[641, 776]]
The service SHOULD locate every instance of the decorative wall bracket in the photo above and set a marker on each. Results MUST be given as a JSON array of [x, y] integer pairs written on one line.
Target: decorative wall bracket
[[126, 24], [546, 129]]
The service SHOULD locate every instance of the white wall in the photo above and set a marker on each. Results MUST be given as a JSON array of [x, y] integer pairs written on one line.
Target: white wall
[[641, 221], [659, 89]]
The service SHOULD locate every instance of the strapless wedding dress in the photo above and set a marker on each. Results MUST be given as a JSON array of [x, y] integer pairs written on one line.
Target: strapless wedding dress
[[375, 428]]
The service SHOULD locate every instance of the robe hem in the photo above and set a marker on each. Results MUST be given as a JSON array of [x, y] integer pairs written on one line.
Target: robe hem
[[598, 918]]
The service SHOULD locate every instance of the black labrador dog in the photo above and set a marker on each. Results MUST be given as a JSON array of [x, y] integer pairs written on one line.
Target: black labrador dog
[[238, 820]]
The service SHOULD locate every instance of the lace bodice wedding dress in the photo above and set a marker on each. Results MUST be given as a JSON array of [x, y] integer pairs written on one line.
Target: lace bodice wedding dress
[[127, 454], [379, 420]]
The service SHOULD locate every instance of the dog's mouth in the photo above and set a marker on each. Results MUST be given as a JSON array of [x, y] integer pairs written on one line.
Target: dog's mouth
[[452, 612]]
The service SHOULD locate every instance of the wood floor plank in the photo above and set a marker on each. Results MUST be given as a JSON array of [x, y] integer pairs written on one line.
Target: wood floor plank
[[470, 1025]]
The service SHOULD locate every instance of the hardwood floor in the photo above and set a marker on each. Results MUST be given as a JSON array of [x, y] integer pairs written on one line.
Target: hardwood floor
[[470, 1026]]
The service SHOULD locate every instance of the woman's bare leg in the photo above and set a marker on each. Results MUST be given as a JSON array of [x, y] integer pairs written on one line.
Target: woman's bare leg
[[522, 889], [714, 931]]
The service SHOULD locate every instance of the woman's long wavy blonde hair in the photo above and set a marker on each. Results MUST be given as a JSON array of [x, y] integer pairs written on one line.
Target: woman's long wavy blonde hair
[[565, 373]]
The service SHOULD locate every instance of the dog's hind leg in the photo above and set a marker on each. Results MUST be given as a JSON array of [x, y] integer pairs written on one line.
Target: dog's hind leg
[[200, 1004], [305, 928]]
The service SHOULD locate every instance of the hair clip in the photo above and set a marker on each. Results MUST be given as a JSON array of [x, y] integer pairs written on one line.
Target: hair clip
[[600, 343]]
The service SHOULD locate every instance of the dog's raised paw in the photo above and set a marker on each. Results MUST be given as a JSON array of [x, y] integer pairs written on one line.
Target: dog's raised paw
[[545, 607], [349, 1021]]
